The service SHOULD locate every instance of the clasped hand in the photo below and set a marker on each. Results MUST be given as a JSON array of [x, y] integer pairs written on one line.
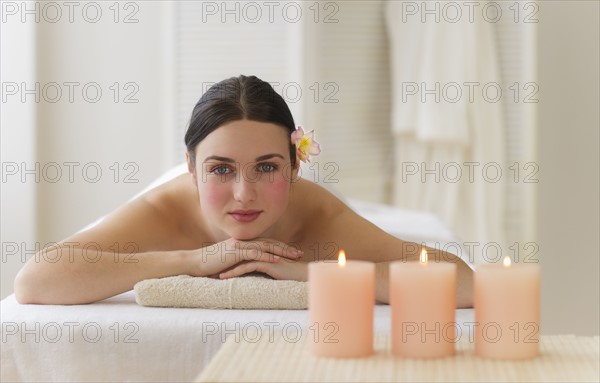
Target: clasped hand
[[233, 258]]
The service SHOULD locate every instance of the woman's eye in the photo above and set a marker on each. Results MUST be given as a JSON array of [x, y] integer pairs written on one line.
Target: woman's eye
[[267, 168], [220, 170]]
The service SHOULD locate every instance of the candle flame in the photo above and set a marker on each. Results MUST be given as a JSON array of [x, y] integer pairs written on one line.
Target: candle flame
[[506, 261], [342, 258], [423, 257]]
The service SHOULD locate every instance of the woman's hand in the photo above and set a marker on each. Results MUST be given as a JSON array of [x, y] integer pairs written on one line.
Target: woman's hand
[[212, 260], [280, 269]]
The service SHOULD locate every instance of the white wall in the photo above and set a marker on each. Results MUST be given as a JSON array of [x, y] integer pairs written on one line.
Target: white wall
[[90, 135], [347, 60], [18, 206], [568, 146], [106, 132]]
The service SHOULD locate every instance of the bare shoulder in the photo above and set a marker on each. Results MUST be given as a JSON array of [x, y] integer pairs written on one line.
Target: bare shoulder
[[315, 201], [331, 225], [314, 209], [157, 220]]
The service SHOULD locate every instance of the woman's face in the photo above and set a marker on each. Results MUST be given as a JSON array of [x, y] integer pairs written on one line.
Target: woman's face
[[243, 174]]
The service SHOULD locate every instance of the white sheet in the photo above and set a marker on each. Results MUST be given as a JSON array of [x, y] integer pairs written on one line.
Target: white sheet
[[414, 226], [136, 343]]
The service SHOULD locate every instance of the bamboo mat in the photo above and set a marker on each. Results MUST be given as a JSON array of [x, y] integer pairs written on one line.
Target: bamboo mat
[[273, 358]]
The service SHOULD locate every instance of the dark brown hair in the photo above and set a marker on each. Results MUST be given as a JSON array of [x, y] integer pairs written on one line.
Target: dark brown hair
[[238, 98]]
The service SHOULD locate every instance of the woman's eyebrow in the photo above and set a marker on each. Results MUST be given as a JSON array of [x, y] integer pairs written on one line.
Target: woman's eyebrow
[[270, 155], [260, 158], [218, 158]]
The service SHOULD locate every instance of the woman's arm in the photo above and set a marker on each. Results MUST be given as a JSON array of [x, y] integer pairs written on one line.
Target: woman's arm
[[79, 276], [330, 226], [464, 290], [125, 248], [134, 243], [362, 240]]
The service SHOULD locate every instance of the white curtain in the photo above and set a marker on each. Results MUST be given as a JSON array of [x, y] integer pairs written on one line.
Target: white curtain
[[447, 122]]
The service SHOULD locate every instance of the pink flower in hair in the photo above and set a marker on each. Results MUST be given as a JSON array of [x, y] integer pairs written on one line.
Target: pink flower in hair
[[306, 145]]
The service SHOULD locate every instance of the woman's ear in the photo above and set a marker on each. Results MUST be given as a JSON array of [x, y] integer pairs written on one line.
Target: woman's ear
[[295, 170], [191, 168]]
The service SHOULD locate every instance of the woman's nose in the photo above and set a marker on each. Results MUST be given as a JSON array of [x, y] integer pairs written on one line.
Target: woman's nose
[[245, 188]]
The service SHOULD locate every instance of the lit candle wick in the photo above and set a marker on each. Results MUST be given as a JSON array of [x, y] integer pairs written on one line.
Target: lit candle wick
[[423, 257], [506, 261], [342, 258]]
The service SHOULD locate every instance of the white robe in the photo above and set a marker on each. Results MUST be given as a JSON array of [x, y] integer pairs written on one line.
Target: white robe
[[435, 138]]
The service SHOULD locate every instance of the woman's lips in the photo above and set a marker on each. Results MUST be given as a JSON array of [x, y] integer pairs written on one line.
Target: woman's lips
[[245, 215]]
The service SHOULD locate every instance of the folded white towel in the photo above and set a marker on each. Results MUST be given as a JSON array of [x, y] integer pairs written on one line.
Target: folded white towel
[[234, 293]]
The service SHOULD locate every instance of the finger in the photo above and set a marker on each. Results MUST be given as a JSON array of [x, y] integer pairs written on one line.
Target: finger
[[240, 270], [256, 254], [278, 248]]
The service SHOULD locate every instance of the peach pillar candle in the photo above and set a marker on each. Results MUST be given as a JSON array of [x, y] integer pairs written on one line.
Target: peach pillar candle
[[423, 300], [341, 304], [507, 310]]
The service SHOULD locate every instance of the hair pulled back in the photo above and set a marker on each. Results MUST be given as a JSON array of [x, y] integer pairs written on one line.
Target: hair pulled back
[[238, 98]]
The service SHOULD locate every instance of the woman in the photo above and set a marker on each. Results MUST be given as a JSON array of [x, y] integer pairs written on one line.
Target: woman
[[241, 208]]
